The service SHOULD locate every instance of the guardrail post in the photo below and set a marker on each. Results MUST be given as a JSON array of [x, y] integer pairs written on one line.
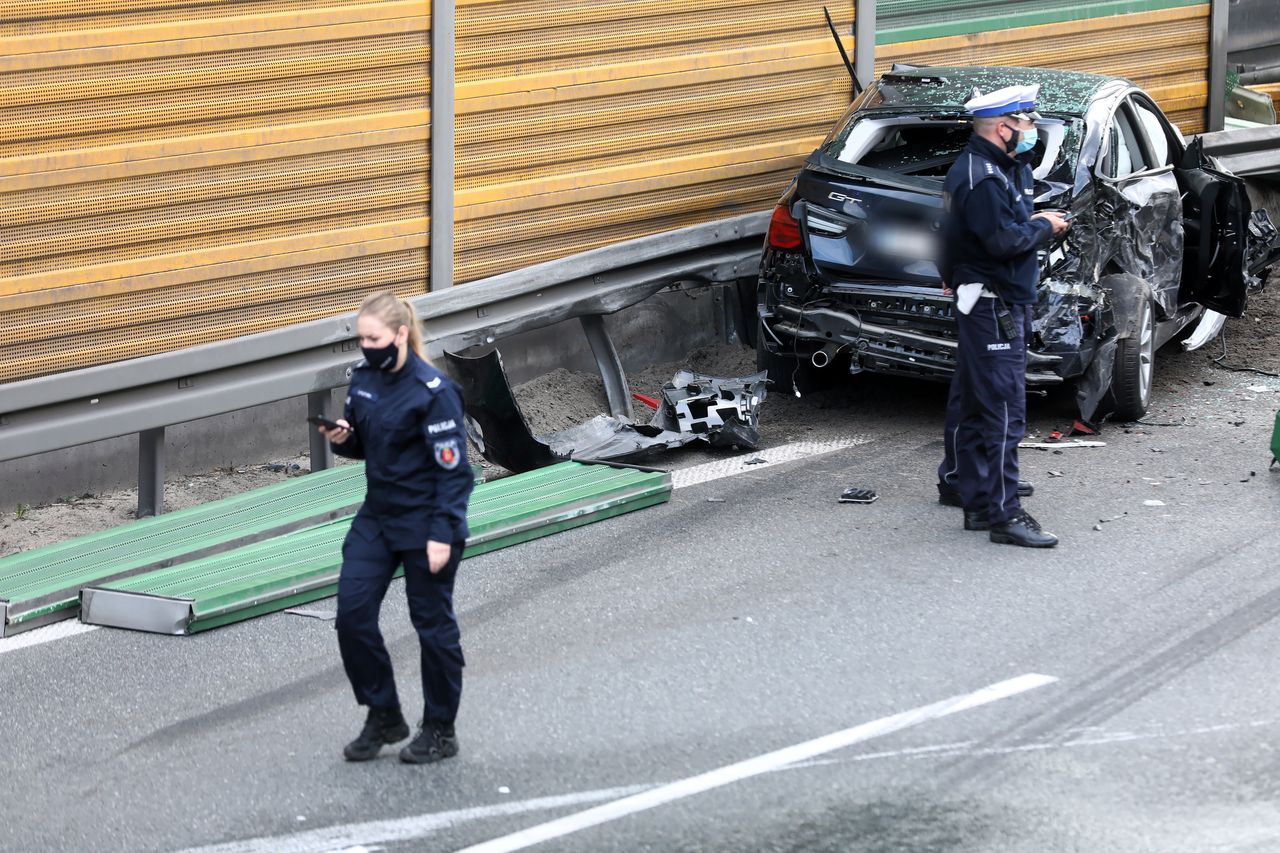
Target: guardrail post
[[864, 41], [615, 378], [1216, 109], [150, 472], [321, 450], [443, 20]]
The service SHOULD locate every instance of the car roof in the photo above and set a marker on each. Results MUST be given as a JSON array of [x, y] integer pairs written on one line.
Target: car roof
[[948, 87]]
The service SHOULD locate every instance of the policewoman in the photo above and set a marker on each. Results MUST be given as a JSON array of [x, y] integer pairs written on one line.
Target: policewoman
[[404, 418], [989, 259]]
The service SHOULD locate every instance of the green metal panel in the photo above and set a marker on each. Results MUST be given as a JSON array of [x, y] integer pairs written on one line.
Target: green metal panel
[[1275, 441], [915, 20], [43, 584], [303, 566]]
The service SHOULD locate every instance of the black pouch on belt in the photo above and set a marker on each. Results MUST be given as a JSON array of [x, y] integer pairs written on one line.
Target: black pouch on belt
[[1004, 319]]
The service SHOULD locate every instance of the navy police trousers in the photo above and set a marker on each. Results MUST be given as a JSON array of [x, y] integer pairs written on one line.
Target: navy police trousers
[[986, 411], [368, 564]]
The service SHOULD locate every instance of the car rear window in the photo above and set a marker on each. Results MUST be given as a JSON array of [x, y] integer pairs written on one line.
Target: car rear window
[[926, 146]]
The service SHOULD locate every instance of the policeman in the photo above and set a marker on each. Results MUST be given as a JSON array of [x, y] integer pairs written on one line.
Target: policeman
[[948, 471], [989, 257], [404, 418]]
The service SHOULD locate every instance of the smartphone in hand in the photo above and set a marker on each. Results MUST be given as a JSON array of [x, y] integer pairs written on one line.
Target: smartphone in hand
[[321, 420]]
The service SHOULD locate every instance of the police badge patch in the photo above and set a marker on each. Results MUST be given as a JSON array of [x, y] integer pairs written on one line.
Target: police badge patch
[[448, 454]]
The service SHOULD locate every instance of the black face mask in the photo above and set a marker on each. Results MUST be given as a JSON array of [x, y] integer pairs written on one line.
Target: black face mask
[[1012, 144], [383, 358]]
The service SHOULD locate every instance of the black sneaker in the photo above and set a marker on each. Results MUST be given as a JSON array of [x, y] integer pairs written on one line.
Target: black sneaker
[[950, 497], [435, 742], [382, 726], [976, 520], [1022, 530]]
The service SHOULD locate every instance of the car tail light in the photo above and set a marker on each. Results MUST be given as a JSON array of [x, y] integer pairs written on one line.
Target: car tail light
[[784, 231]]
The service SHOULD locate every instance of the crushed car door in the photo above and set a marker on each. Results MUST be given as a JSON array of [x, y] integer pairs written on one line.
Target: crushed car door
[[1216, 214], [1139, 211]]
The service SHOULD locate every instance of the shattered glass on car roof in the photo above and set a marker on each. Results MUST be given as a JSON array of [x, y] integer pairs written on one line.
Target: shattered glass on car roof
[[1063, 92]]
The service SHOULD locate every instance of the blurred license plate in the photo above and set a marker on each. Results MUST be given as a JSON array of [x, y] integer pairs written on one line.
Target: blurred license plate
[[906, 243]]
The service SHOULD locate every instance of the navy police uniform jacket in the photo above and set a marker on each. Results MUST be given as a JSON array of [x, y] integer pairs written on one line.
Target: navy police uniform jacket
[[990, 236], [408, 428]]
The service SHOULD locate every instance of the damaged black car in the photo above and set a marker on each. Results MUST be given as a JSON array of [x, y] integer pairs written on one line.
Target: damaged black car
[[1162, 239]]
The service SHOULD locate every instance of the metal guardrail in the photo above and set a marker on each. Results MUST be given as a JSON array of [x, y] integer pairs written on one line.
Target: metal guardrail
[[146, 395], [1248, 152]]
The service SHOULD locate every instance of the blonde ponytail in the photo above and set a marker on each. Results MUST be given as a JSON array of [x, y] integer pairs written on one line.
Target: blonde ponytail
[[415, 329]]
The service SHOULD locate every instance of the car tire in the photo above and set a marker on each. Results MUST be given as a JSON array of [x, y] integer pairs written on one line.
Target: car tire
[[1134, 371]]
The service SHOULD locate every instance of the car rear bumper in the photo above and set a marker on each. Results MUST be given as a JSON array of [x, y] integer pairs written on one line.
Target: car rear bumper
[[818, 333]]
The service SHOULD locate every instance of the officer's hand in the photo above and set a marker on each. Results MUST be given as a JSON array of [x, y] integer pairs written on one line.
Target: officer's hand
[[437, 556], [337, 436], [1059, 223]]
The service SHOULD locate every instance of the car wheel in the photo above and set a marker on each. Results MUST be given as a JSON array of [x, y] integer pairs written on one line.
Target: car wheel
[[1134, 369]]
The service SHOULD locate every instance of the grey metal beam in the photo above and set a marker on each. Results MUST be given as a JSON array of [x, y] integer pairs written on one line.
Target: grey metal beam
[[616, 389], [1217, 106], [1247, 151], [443, 19], [864, 41], [150, 472], [463, 316], [461, 305], [321, 450]]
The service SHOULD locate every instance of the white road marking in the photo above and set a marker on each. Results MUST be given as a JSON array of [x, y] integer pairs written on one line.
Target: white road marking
[[353, 835], [760, 764], [966, 749], [407, 829], [47, 634], [795, 451]]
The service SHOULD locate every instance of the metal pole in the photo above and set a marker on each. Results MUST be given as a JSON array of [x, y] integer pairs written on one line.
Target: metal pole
[[442, 83], [321, 451], [150, 472], [1217, 106], [864, 41], [615, 378]]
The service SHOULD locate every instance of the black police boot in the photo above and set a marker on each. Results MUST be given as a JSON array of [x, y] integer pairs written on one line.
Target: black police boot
[[382, 726], [976, 519], [1022, 530], [950, 497], [435, 742]]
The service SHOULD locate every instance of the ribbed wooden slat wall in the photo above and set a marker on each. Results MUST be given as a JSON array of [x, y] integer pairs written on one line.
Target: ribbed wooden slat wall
[[1166, 51], [584, 123], [177, 173], [174, 172]]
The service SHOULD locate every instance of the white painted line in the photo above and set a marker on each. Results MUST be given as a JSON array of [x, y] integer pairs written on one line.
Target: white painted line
[[353, 835], [47, 634], [797, 450], [968, 748], [760, 764]]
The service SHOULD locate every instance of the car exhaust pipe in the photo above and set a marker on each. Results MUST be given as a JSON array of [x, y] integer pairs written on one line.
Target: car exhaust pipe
[[822, 357]]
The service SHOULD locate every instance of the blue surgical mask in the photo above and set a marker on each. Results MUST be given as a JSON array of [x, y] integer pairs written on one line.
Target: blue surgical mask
[[1028, 141]]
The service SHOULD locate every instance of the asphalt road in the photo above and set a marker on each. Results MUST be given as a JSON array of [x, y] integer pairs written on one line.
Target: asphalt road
[[750, 614]]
